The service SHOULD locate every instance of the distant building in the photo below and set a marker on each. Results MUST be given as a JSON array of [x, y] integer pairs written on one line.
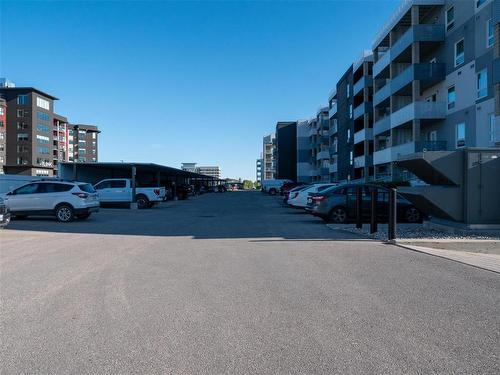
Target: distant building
[[304, 166], [4, 82], [286, 150], [190, 167], [29, 138], [269, 157], [212, 171], [83, 143], [258, 170]]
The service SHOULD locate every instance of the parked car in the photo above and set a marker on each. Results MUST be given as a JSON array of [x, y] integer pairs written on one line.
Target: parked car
[[299, 198], [119, 190], [63, 199], [183, 191], [4, 213], [287, 194], [286, 187], [273, 187], [338, 204]]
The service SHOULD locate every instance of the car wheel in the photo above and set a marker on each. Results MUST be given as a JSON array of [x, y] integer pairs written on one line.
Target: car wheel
[[142, 201], [272, 191], [412, 215], [64, 213], [338, 215], [83, 216]]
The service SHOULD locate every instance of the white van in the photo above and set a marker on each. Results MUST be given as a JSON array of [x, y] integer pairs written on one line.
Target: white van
[[272, 187]]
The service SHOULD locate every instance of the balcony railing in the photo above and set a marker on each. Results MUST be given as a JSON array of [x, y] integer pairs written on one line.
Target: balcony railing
[[419, 111], [332, 111], [362, 135], [333, 149], [423, 146]]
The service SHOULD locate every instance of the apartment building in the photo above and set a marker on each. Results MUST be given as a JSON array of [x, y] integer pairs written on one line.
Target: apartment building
[[258, 170], [3, 129], [29, 139], [319, 140], [286, 150], [83, 140], [304, 166], [269, 157], [60, 144], [432, 72], [212, 171]]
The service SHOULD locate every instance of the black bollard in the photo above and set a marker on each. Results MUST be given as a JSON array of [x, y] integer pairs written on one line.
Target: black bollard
[[359, 208], [391, 235], [373, 218]]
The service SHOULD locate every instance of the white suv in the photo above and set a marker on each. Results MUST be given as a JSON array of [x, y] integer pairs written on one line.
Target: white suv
[[63, 199]]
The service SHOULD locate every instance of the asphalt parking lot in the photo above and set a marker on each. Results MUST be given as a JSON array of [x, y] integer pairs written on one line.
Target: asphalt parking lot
[[235, 284]]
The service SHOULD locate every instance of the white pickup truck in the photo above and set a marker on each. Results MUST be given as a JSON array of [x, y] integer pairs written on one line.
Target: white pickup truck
[[119, 190]]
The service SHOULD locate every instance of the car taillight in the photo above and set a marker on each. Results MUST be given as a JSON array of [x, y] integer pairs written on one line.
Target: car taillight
[[319, 198], [81, 195]]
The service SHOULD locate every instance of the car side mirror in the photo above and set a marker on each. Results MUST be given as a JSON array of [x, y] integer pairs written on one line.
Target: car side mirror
[[10, 193]]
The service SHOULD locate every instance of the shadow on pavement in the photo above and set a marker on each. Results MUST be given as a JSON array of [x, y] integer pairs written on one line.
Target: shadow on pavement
[[210, 216]]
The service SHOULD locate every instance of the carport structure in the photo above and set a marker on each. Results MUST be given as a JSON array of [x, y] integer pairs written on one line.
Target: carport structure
[[141, 174]]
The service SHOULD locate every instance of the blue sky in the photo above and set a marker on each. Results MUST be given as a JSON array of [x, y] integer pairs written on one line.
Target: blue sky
[[172, 82]]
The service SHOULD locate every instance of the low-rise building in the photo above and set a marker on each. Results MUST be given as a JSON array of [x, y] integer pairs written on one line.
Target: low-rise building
[[3, 130]]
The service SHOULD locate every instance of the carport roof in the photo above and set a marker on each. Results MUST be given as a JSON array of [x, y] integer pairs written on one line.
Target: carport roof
[[144, 167]]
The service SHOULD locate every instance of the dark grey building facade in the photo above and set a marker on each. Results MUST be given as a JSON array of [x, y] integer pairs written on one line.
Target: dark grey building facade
[[286, 150]]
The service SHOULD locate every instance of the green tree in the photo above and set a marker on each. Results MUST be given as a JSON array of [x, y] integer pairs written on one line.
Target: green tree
[[247, 184]]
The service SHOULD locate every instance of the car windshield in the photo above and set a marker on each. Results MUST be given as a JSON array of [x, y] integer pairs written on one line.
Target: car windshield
[[88, 188]]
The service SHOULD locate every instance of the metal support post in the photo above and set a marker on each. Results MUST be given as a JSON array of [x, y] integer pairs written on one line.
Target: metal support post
[[373, 218], [359, 207], [133, 204], [391, 235]]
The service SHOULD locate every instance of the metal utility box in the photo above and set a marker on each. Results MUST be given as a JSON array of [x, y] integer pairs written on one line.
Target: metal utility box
[[463, 185]]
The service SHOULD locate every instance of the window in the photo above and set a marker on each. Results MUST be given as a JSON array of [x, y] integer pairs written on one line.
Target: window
[[460, 135], [459, 52], [22, 99], [27, 189], [350, 111], [103, 185], [42, 150], [479, 3], [88, 188], [490, 36], [20, 113], [2, 136], [42, 128], [22, 149], [22, 161], [22, 126], [347, 90], [43, 103], [1, 124], [491, 118], [42, 116], [450, 18], [54, 188], [2, 111], [43, 162], [22, 136], [118, 184], [41, 172], [42, 139], [451, 97], [482, 84]]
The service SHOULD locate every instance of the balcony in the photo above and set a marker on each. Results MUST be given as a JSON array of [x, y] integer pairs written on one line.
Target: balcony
[[323, 155], [363, 161], [391, 154], [333, 149], [416, 33], [324, 171], [360, 110], [364, 81], [332, 111], [419, 111], [382, 94], [364, 134], [333, 129], [382, 125], [429, 74], [424, 146], [333, 167]]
